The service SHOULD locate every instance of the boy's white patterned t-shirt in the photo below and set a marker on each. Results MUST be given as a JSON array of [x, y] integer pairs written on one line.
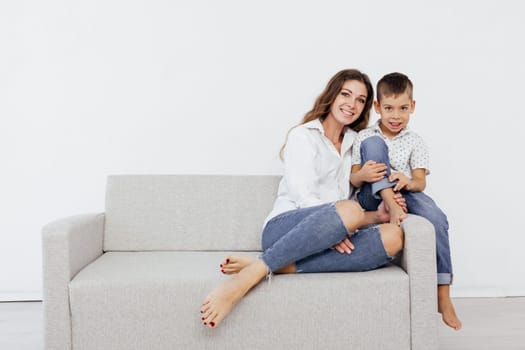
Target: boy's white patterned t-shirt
[[406, 151]]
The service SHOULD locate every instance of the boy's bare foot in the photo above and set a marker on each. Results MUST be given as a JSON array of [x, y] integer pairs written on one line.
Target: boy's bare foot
[[234, 264], [446, 308], [220, 301]]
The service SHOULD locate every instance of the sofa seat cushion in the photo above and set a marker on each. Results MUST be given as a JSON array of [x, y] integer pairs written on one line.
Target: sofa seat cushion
[[137, 299]]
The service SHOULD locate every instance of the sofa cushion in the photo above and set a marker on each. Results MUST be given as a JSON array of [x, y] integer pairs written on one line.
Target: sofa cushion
[[187, 212], [138, 299]]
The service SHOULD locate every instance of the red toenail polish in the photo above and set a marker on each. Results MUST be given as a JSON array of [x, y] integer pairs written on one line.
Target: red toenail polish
[[227, 261], [203, 318], [212, 324], [222, 271], [202, 312], [221, 266], [205, 323]]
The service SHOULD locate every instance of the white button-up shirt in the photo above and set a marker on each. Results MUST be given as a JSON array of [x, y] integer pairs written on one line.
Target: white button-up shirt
[[314, 171]]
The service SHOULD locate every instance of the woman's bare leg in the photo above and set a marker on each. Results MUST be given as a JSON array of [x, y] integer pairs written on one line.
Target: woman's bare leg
[[392, 237], [446, 308], [353, 215], [220, 301], [287, 269]]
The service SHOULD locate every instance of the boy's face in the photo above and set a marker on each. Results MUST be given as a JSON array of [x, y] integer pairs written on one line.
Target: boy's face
[[394, 112]]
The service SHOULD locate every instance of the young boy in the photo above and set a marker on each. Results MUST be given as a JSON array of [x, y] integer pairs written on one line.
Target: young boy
[[388, 156]]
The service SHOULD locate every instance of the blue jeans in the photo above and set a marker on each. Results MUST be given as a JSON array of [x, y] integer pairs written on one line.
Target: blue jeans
[[418, 203], [303, 236]]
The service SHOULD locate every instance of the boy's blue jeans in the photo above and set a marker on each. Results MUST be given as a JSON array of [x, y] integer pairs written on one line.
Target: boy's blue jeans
[[374, 148], [303, 236]]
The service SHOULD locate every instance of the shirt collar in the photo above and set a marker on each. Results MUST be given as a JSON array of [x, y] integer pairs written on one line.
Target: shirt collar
[[348, 137], [315, 124], [377, 129]]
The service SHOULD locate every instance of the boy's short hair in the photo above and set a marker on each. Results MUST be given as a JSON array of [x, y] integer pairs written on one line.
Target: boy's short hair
[[394, 84]]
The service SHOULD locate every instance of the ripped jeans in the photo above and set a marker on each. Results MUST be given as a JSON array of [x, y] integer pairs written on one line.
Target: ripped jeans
[[303, 236]]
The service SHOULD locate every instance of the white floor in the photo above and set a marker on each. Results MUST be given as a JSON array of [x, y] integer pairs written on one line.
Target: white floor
[[488, 323], [21, 326]]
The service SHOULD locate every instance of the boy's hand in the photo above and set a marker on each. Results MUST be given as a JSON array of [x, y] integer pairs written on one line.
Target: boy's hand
[[402, 181], [372, 171]]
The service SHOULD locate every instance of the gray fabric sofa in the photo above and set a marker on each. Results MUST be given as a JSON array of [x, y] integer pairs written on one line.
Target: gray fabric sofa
[[134, 276]]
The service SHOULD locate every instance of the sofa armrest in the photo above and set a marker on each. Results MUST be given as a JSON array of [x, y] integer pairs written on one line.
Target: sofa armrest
[[419, 261], [68, 246]]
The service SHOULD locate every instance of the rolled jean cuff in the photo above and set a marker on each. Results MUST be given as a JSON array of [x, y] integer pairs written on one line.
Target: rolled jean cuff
[[271, 268], [444, 278], [381, 185]]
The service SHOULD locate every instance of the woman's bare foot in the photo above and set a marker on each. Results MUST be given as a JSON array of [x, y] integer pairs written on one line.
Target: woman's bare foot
[[397, 214], [234, 264], [383, 215], [446, 308], [220, 301]]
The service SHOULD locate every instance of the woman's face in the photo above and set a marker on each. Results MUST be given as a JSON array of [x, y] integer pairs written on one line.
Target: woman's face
[[349, 103]]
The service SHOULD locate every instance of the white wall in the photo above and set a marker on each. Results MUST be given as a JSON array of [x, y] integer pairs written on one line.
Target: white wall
[[98, 87]]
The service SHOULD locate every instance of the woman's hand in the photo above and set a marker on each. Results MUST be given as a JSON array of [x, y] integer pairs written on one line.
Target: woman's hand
[[383, 213], [345, 246], [398, 198], [372, 171]]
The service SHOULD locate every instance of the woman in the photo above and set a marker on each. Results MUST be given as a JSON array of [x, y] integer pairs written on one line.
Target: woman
[[312, 221]]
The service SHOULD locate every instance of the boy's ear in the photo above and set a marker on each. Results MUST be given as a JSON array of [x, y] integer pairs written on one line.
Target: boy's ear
[[377, 107], [412, 106]]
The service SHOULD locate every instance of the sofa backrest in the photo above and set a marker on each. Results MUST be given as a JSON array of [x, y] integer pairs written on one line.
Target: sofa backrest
[[187, 212]]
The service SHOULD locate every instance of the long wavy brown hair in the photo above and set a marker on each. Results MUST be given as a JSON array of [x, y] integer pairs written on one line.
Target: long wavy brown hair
[[323, 103]]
